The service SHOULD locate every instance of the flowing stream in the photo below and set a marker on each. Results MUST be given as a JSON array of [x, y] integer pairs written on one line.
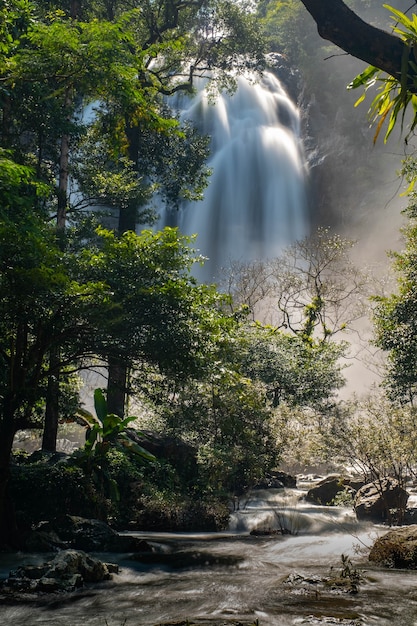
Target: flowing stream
[[255, 204], [236, 578]]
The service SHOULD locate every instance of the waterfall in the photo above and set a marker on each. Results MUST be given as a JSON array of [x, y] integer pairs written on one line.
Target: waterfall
[[256, 200]]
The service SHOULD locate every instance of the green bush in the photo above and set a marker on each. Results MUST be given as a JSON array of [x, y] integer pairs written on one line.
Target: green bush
[[172, 512], [40, 491]]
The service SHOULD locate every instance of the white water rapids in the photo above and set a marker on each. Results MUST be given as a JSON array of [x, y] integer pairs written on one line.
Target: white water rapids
[[255, 204], [235, 578]]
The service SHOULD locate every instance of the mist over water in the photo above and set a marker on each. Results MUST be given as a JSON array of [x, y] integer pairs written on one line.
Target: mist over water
[[256, 202]]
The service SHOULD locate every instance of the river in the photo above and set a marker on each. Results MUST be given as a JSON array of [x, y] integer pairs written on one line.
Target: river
[[237, 578]]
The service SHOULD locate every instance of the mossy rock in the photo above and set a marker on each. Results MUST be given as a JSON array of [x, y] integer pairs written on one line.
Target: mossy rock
[[397, 548]]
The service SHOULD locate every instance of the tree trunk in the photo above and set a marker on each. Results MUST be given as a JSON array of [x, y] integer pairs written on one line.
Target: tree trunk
[[50, 430], [116, 386], [340, 25], [117, 368], [63, 183]]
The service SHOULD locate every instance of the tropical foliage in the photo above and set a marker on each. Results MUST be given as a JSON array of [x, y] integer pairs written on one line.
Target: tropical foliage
[[394, 95]]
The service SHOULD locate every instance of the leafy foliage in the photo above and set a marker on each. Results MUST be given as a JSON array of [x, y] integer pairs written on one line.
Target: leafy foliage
[[106, 432], [295, 372], [394, 95], [378, 438], [395, 318]]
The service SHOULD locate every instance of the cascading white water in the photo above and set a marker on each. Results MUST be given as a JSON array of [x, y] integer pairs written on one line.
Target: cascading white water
[[256, 200], [234, 577]]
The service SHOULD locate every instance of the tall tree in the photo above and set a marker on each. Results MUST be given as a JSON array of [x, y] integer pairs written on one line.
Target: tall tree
[[395, 316], [312, 290], [42, 304]]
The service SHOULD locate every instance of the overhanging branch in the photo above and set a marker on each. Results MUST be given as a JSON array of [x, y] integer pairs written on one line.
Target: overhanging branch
[[340, 25]]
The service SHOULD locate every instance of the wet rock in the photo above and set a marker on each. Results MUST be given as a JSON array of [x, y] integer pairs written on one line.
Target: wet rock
[[69, 570], [287, 479], [276, 479], [90, 535], [269, 532], [375, 501], [84, 534], [410, 516], [397, 548], [43, 541]]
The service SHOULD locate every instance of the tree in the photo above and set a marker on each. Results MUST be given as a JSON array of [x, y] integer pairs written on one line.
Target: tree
[[337, 23], [304, 300], [312, 290], [131, 297], [72, 62], [226, 416], [42, 305], [378, 438], [296, 372], [158, 313], [395, 316], [54, 64], [392, 54], [175, 42]]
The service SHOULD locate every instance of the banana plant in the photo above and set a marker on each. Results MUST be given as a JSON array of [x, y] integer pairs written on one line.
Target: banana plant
[[106, 430]]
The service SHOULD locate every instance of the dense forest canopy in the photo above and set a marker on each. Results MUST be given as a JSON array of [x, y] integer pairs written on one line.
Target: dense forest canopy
[[85, 121]]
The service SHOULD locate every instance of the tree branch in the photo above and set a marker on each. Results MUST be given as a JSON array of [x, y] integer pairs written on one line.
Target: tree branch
[[340, 25]]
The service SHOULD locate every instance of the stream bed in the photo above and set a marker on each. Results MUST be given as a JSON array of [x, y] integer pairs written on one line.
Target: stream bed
[[237, 578]]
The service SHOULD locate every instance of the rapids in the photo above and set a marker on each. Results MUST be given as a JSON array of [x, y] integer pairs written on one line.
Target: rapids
[[236, 578]]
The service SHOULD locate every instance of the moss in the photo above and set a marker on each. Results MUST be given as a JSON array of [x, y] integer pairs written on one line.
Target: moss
[[397, 549]]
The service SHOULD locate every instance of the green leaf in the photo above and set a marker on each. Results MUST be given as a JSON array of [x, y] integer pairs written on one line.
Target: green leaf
[[400, 16], [135, 448], [361, 99], [86, 416], [363, 78], [92, 437], [100, 405]]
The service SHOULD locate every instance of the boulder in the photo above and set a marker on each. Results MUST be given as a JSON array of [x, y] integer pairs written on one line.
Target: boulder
[[276, 479], [180, 454], [67, 571], [397, 548], [327, 489], [90, 535], [43, 540], [375, 501], [286, 479]]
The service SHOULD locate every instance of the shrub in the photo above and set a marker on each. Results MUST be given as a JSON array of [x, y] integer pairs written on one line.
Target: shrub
[[41, 491]]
